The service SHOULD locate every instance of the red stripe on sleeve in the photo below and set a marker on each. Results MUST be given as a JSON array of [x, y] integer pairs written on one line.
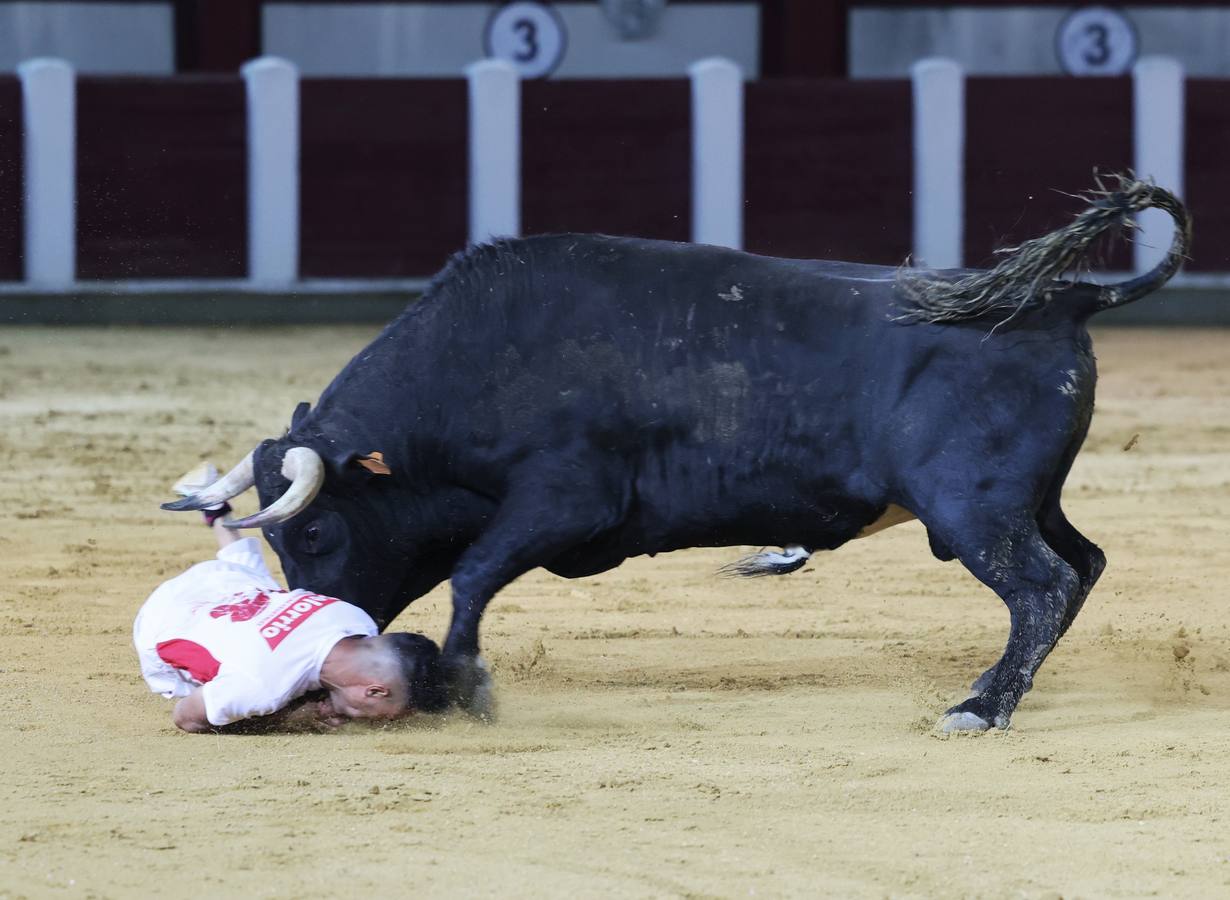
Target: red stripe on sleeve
[[191, 657]]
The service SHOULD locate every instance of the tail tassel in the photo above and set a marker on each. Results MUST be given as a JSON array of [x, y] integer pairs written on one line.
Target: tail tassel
[[1031, 273], [768, 562]]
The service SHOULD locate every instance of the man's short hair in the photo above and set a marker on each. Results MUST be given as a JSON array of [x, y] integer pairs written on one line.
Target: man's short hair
[[419, 657]]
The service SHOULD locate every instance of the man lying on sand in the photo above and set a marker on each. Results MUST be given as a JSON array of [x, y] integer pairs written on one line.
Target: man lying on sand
[[230, 644]]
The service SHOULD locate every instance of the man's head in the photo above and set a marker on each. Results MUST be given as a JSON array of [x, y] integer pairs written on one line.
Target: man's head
[[382, 677]]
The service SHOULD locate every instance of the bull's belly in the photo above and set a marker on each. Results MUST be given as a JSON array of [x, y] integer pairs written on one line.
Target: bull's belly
[[818, 521], [605, 553], [894, 515], [825, 529]]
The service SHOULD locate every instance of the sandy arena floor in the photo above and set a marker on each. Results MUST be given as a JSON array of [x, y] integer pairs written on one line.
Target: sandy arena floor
[[663, 732]]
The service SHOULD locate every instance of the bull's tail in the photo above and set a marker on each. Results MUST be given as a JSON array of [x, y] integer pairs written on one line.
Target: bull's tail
[[1032, 274], [1124, 292]]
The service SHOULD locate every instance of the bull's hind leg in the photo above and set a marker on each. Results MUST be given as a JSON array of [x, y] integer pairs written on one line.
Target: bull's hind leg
[[543, 515], [1037, 585], [1084, 556], [1077, 550], [1074, 548]]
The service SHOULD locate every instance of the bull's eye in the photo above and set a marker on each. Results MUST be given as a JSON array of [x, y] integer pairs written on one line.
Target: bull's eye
[[319, 535]]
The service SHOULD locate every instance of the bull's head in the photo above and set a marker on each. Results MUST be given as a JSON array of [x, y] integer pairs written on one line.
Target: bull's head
[[329, 524]]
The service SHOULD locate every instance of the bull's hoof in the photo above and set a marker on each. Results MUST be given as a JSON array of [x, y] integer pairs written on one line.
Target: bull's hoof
[[961, 723], [468, 681], [978, 713]]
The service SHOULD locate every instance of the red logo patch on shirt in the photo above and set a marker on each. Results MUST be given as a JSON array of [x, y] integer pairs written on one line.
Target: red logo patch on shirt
[[291, 616], [245, 606], [191, 657]]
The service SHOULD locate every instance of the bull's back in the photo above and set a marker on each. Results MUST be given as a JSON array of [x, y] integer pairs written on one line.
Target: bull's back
[[639, 332], [721, 387], [688, 359]]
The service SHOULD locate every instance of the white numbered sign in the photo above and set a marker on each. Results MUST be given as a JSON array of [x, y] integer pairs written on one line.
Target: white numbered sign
[[531, 36], [1096, 40]]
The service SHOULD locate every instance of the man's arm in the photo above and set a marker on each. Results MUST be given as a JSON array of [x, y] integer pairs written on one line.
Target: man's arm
[[311, 712], [223, 535], [189, 713], [242, 704]]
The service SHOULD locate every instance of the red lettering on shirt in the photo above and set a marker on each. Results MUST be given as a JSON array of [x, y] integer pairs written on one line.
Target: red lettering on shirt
[[189, 656], [244, 606], [291, 616]]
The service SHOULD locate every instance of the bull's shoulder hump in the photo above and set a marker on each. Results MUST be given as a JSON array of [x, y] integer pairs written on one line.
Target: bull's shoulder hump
[[501, 266], [566, 245]]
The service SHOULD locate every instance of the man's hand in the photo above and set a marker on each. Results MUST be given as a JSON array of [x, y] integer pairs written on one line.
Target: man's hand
[[189, 713], [311, 712], [317, 713]]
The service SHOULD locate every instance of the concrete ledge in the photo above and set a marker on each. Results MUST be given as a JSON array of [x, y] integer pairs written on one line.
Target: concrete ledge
[[335, 302], [1177, 306], [220, 308]]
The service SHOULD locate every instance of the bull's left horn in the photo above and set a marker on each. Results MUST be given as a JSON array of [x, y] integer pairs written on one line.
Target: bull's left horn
[[232, 484], [305, 470]]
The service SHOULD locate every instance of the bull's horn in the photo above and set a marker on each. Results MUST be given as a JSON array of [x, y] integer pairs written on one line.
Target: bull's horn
[[305, 470], [232, 484]]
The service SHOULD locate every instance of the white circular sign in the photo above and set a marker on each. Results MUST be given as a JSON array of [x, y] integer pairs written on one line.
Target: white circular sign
[[1096, 40], [529, 35]]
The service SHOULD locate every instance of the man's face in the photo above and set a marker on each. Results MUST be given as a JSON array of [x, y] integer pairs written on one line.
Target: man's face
[[360, 702]]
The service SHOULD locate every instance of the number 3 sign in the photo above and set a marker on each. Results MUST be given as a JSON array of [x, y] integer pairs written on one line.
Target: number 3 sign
[[531, 36], [1096, 40]]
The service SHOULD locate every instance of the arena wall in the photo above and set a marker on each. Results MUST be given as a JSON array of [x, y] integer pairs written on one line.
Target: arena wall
[[163, 188]]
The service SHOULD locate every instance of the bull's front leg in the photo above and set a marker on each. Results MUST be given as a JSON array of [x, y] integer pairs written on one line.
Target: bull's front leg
[[544, 515], [466, 674]]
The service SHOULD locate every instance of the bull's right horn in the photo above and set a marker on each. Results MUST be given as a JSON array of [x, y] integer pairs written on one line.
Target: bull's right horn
[[305, 470], [232, 484]]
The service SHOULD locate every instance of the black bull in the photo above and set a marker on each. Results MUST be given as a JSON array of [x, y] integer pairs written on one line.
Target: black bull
[[571, 401]]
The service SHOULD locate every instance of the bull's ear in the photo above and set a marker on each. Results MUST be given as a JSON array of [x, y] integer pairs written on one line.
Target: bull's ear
[[374, 463], [353, 467], [299, 414]]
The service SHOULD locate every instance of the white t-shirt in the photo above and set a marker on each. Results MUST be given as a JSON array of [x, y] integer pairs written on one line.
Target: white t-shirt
[[227, 624]]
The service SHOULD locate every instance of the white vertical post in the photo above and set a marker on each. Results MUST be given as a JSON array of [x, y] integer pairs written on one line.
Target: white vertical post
[[273, 171], [48, 91], [717, 152], [1157, 138], [495, 150], [939, 162]]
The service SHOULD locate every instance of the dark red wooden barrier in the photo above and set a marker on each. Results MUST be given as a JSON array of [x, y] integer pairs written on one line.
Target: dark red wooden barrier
[[609, 156], [1207, 187], [1026, 139], [161, 177], [383, 167], [11, 205], [827, 169], [162, 172]]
